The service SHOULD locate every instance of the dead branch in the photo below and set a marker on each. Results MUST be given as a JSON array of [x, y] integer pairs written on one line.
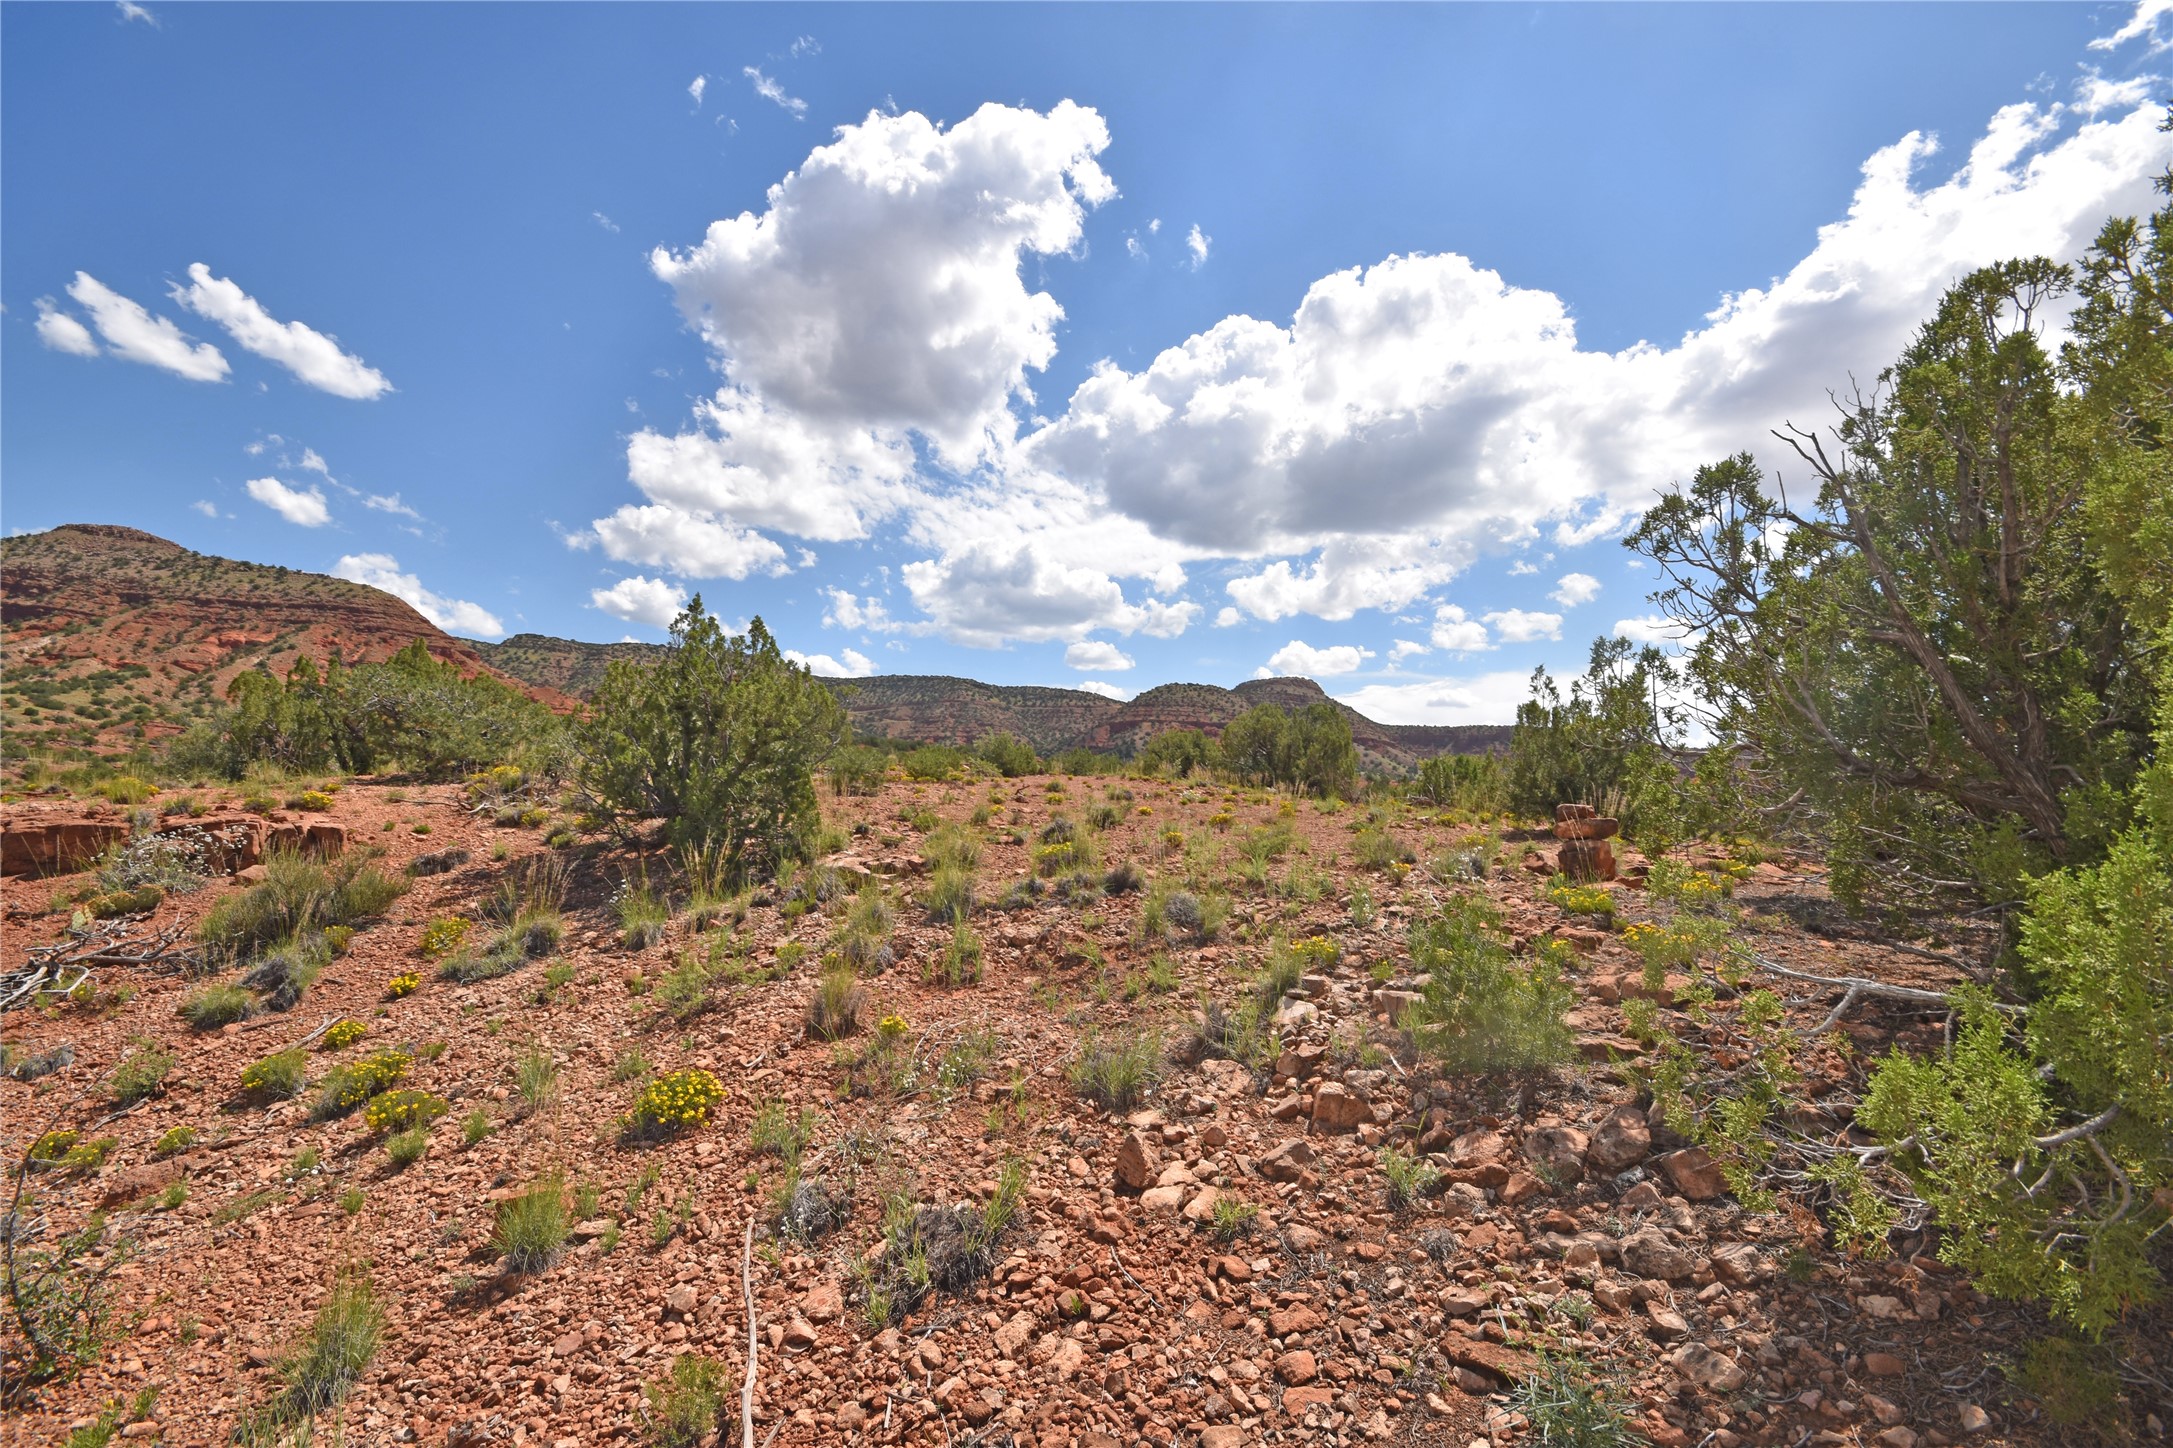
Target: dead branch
[[1854, 988], [747, 1389]]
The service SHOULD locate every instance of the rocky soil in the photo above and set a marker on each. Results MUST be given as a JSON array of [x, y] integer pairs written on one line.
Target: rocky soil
[[1119, 1308]]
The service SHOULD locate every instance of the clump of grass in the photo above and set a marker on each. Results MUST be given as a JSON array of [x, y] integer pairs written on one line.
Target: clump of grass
[[685, 991], [1233, 1218], [178, 1139], [324, 1367], [1565, 1402], [682, 1408], [1115, 1071], [278, 1077], [949, 896], [934, 1248], [643, 913], [781, 1132], [474, 1127], [532, 1227], [1409, 1177], [405, 1148], [217, 1005], [284, 973], [960, 963], [834, 1013], [631, 1066], [299, 894], [535, 1078]]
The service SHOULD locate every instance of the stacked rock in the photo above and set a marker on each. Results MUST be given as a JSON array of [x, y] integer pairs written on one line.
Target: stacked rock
[[1585, 855]]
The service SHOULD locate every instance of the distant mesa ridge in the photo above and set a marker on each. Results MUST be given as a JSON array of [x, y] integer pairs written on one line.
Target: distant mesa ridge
[[88, 596]]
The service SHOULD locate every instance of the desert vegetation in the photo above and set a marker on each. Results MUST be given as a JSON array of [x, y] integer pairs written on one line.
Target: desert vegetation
[[1770, 1042]]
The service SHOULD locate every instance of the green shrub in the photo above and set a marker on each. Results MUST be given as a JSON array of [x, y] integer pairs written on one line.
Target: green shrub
[[141, 1074], [217, 1005], [1481, 1011], [857, 769], [278, 1077], [115, 904], [719, 739], [685, 1406], [177, 1139], [1115, 1071], [532, 1227]]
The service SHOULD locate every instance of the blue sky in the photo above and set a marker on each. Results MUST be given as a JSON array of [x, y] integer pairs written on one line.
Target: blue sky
[[1090, 346]]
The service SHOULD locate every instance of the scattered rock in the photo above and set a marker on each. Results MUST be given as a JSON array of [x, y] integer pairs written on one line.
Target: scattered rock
[[1296, 1367], [1137, 1163], [1338, 1108], [1884, 1365], [1650, 1254], [1619, 1142], [1288, 1162], [1694, 1173], [1701, 1367], [1558, 1151]]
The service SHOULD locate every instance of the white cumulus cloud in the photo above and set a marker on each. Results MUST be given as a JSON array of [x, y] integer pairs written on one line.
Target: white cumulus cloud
[[1297, 657], [854, 664], [309, 354], [139, 336], [304, 507], [205, 506], [1097, 656], [878, 327], [695, 88], [639, 599], [1575, 588], [1489, 698], [1197, 243], [454, 615], [1518, 626], [1405, 649], [1457, 633], [1104, 688], [62, 332]]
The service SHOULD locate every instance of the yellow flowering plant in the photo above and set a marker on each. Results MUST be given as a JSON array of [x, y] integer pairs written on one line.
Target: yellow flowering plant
[[672, 1103]]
